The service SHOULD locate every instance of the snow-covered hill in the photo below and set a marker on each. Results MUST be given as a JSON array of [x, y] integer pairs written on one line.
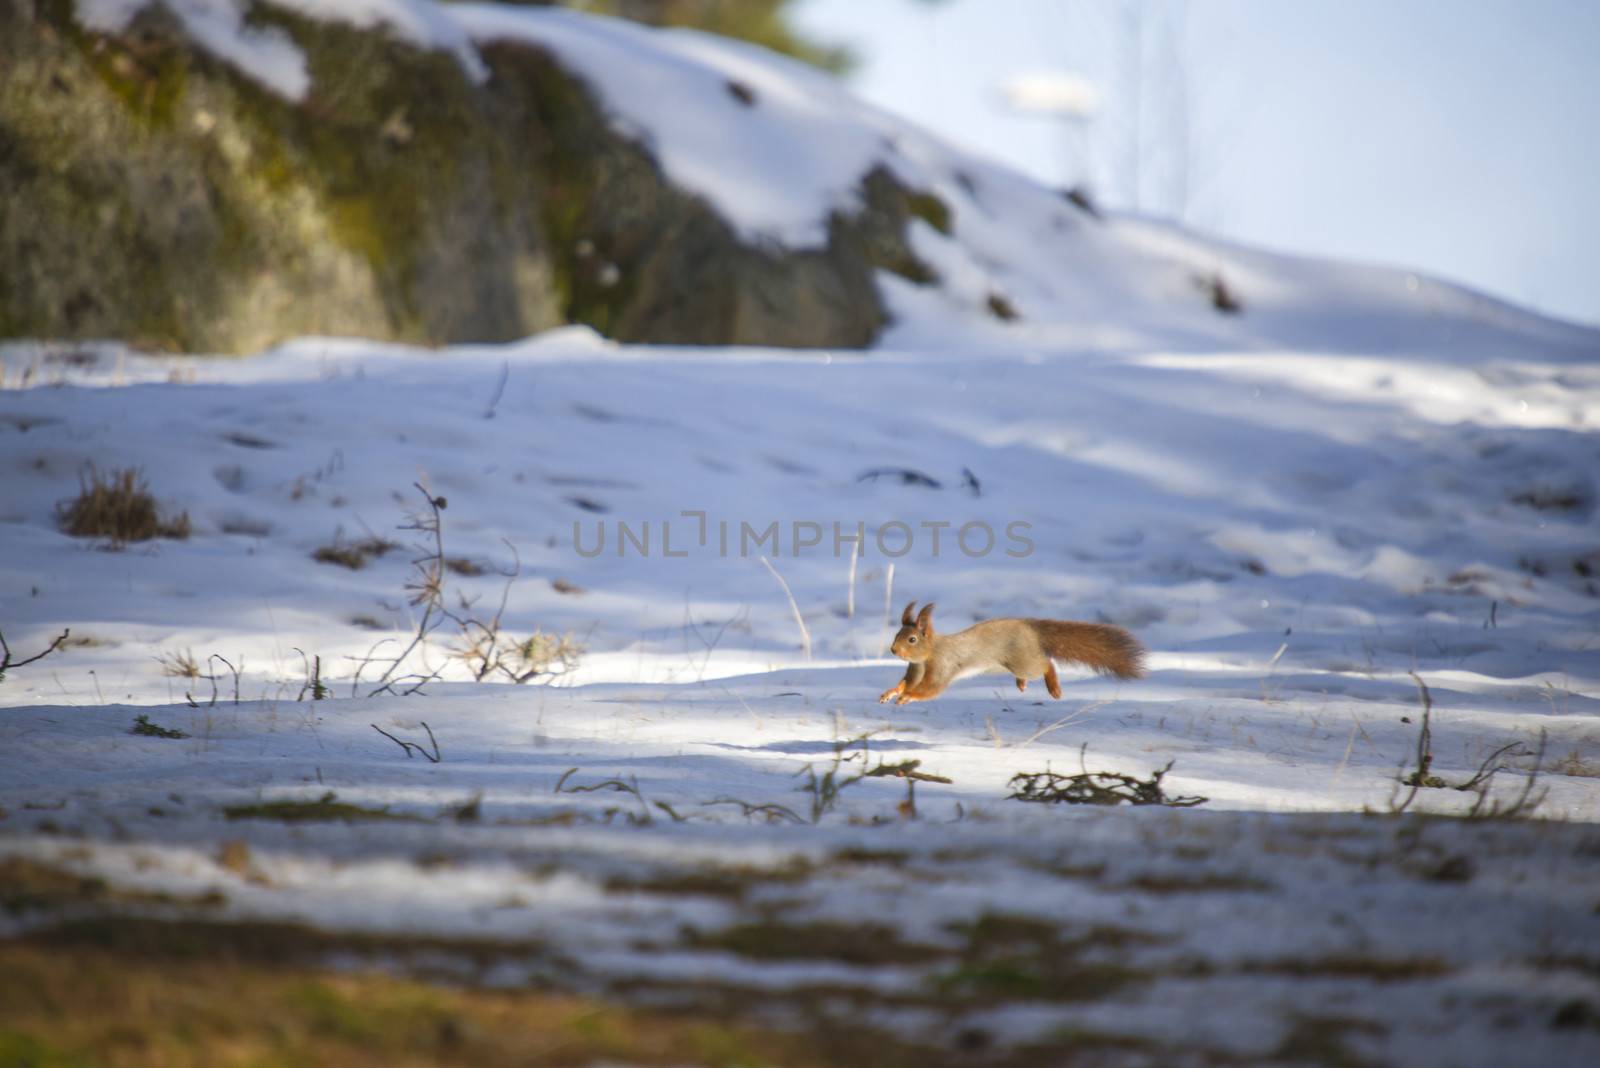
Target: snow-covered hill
[[1361, 488]]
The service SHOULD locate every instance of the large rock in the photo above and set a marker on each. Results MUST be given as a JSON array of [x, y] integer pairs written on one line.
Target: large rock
[[153, 192]]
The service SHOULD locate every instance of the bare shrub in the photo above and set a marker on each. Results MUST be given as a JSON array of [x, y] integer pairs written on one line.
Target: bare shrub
[[1096, 788], [1521, 806], [482, 644]]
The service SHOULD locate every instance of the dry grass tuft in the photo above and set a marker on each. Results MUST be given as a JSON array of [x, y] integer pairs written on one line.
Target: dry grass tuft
[[180, 665], [117, 505], [325, 809], [354, 554], [1577, 766], [1222, 296], [1001, 308]]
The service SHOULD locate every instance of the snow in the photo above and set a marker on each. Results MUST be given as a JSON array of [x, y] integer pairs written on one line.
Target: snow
[[264, 53], [1384, 540], [1363, 480], [419, 22]]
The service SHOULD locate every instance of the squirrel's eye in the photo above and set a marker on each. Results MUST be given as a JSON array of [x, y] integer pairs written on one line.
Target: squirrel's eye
[[912, 640]]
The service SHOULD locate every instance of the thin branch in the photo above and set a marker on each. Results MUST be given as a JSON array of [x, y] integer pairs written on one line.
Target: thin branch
[[1490, 765], [427, 588], [771, 810], [7, 663], [906, 769], [850, 583], [805, 635], [233, 670], [1065, 721], [412, 748], [1421, 777], [888, 610], [499, 389]]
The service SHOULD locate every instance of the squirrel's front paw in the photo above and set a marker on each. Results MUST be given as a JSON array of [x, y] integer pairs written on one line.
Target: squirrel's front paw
[[887, 694]]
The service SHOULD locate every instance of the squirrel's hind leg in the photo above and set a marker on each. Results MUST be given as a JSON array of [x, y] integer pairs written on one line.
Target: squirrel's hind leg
[[1051, 683]]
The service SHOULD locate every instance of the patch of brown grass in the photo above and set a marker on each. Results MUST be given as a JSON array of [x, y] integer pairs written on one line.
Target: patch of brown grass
[[1023, 958], [1326, 1040], [28, 885], [1001, 308], [61, 1006], [1577, 766], [353, 554], [117, 505], [325, 809]]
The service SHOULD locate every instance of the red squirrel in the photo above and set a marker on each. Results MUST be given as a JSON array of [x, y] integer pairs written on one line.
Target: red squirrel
[[1022, 648]]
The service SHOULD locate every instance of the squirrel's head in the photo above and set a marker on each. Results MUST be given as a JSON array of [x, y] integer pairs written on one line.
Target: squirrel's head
[[915, 640]]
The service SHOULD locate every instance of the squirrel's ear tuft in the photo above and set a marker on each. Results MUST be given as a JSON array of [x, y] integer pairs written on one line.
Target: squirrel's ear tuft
[[905, 617], [925, 617]]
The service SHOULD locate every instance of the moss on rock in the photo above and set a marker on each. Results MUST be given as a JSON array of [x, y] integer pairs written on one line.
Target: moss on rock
[[158, 195]]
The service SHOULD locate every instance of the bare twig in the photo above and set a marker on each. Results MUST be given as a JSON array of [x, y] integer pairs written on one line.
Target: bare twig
[[826, 788], [630, 786], [427, 587], [312, 666], [1422, 776], [412, 748], [1526, 800], [888, 609], [6, 663], [1490, 765], [906, 769], [771, 810], [233, 670], [709, 644], [799, 621], [1480, 781], [1065, 721], [499, 389], [363, 661], [484, 647], [670, 811], [850, 583]]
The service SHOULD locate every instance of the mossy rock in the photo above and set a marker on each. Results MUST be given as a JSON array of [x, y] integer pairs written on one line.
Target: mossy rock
[[158, 195]]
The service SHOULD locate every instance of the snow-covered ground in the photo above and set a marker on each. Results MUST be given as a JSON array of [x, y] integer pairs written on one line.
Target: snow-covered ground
[[1362, 481]]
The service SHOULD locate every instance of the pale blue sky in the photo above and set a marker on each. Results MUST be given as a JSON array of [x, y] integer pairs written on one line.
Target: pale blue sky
[[1457, 137]]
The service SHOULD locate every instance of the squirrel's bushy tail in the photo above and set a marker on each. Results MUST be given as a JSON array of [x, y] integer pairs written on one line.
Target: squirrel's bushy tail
[[1107, 649]]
